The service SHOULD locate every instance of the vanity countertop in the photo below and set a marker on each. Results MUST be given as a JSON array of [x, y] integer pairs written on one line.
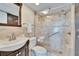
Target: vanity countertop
[[6, 45]]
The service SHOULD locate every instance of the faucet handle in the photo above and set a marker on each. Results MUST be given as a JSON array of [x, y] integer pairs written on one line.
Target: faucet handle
[[10, 38], [13, 36]]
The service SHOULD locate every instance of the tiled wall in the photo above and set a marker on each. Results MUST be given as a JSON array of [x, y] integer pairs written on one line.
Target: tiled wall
[[46, 26]]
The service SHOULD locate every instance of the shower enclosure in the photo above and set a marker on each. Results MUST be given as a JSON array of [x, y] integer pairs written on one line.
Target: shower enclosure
[[57, 30]]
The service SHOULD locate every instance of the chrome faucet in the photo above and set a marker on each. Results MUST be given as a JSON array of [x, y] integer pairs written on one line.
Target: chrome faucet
[[12, 37]]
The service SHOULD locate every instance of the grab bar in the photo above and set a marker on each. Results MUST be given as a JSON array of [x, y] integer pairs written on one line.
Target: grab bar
[[52, 34]]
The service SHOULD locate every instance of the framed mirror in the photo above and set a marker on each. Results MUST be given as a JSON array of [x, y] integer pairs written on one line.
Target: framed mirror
[[10, 14]]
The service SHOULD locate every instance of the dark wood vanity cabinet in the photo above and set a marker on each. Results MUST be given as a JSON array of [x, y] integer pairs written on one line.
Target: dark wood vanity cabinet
[[23, 51]]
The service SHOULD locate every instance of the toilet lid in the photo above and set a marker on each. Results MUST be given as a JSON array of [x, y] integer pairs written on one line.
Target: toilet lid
[[39, 49]]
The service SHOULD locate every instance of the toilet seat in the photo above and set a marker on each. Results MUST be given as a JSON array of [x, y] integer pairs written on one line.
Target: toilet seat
[[39, 51], [36, 50]]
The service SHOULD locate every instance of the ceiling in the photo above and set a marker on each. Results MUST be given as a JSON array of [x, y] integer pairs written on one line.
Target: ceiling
[[54, 7]]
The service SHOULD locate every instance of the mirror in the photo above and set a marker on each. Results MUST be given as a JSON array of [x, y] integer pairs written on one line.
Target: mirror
[[10, 14]]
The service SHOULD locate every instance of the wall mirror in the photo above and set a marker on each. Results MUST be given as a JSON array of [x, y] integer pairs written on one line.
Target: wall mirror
[[10, 14]]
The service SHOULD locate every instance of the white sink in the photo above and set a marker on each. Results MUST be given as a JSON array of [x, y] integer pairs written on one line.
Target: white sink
[[13, 45]]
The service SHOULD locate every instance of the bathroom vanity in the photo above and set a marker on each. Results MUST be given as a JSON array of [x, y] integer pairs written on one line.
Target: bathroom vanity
[[20, 48]]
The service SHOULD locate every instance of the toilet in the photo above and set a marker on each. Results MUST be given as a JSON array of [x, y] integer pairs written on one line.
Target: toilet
[[36, 50]]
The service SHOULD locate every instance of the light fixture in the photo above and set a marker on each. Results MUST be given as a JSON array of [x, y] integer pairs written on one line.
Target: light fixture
[[47, 16], [46, 11], [36, 3]]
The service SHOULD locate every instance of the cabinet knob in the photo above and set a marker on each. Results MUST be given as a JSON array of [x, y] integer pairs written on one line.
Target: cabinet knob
[[18, 54]]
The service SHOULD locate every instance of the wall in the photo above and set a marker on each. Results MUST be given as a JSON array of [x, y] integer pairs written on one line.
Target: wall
[[72, 41], [70, 38], [27, 17]]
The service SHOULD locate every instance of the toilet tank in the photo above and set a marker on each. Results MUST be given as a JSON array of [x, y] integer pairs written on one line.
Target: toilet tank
[[32, 42]]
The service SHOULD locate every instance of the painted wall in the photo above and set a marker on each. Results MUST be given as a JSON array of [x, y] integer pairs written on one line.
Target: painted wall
[[77, 31], [27, 16], [27, 20], [77, 34]]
